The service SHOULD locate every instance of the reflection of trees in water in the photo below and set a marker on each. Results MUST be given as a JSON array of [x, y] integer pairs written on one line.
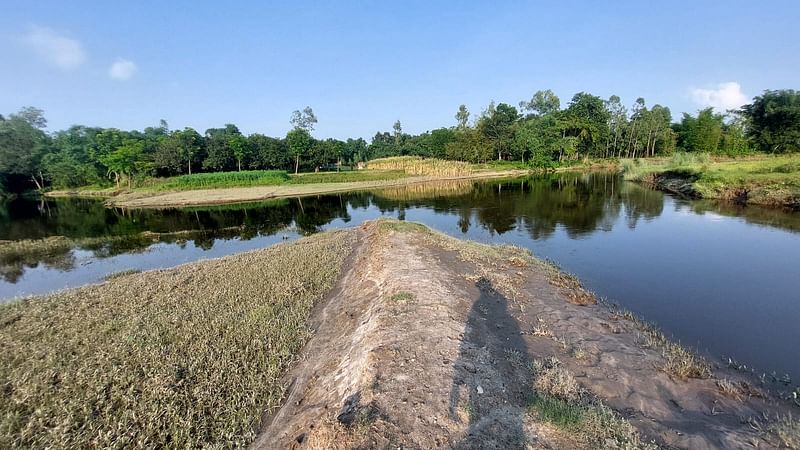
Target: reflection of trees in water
[[580, 203]]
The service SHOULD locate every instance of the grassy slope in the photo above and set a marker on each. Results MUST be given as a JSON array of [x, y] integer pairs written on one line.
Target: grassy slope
[[186, 357], [773, 181]]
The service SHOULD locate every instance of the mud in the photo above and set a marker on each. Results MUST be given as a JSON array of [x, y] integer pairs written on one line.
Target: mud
[[425, 343]]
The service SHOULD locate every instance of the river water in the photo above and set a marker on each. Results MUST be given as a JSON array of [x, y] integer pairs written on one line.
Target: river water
[[720, 278]]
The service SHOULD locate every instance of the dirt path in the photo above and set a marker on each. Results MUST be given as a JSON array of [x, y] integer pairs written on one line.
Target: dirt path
[[204, 197], [427, 342]]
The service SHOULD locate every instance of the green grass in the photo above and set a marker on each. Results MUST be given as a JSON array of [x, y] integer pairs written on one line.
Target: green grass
[[347, 177], [773, 181], [189, 357], [558, 399], [223, 179]]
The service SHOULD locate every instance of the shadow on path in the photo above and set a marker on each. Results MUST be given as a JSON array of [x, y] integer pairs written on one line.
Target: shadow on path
[[491, 375]]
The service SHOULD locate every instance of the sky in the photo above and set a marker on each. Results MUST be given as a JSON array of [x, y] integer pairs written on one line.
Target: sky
[[363, 65]]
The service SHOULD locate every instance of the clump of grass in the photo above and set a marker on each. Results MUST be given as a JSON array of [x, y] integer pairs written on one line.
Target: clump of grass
[[787, 429], [415, 165], [347, 177], [189, 357], [559, 400], [224, 179], [678, 360], [402, 297]]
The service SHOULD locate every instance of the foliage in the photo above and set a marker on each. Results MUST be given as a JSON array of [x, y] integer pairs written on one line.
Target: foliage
[[774, 121], [545, 136], [346, 177]]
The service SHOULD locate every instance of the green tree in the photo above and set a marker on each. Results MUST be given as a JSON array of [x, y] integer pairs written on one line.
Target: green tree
[[702, 133], [299, 141], [241, 149], [773, 121], [462, 116], [125, 161], [542, 103], [496, 125], [23, 144], [220, 155], [268, 152]]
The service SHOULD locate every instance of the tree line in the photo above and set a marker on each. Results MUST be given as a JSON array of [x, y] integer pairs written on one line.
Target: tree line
[[538, 132]]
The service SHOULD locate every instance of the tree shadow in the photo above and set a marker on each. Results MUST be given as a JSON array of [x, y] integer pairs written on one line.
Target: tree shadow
[[491, 375]]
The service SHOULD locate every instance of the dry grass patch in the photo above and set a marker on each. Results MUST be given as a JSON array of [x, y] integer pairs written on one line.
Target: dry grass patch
[[559, 400], [188, 357], [415, 165], [787, 430]]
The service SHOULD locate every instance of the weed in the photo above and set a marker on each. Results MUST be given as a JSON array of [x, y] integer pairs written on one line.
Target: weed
[[223, 179], [787, 430], [403, 297], [414, 165]]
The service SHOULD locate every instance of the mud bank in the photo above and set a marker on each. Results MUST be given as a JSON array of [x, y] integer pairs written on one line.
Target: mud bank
[[431, 342]]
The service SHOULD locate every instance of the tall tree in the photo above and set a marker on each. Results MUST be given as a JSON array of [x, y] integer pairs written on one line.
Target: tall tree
[[542, 103], [301, 142], [462, 116], [773, 121], [23, 144], [496, 126]]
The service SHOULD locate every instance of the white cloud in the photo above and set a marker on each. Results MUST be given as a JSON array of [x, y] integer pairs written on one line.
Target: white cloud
[[726, 96], [58, 50], [122, 69]]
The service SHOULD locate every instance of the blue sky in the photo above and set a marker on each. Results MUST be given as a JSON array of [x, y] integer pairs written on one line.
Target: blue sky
[[363, 65]]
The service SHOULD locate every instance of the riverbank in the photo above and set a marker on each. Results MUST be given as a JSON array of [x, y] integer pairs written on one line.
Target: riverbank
[[218, 196], [768, 181], [523, 355]]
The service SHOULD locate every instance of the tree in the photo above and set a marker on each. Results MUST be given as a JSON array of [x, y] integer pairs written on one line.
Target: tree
[[268, 152], [23, 144], [179, 150], [773, 121], [542, 103], [702, 133], [241, 149], [299, 142], [462, 116], [496, 126], [126, 161], [305, 119], [398, 132], [587, 119], [220, 154]]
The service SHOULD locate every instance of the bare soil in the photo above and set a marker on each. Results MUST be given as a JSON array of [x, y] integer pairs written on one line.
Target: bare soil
[[427, 343]]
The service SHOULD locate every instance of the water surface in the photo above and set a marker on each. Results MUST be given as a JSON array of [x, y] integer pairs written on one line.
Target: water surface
[[718, 277]]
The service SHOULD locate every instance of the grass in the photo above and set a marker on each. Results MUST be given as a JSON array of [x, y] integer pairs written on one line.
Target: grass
[[558, 399], [402, 297], [179, 358], [679, 361], [222, 180], [772, 181], [347, 177], [787, 430], [415, 165]]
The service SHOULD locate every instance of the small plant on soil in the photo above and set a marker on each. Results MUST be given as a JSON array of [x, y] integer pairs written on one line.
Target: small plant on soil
[[403, 297], [787, 430], [559, 400]]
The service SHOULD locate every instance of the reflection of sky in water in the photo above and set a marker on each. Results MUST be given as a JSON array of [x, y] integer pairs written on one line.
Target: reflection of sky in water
[[715, 280]]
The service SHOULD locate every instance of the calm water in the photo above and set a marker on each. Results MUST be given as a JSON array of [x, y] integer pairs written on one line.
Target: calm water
[[721, 278]]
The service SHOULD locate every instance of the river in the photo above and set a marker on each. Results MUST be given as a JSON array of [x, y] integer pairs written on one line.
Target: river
[[717, 277]]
